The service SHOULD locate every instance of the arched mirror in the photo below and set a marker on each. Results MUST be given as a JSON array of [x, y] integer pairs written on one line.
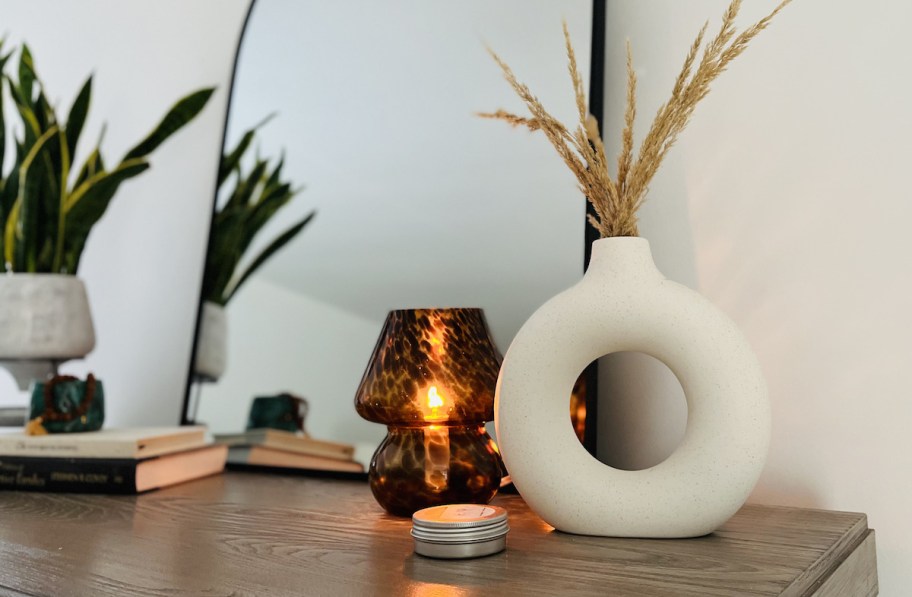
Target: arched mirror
[[371, 108]]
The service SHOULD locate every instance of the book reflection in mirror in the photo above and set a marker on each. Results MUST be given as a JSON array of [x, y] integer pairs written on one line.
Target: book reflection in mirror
[[270, 457], [284, 449]]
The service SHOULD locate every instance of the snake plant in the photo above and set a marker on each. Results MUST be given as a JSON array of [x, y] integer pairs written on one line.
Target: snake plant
[[48, 205], [254, 196]]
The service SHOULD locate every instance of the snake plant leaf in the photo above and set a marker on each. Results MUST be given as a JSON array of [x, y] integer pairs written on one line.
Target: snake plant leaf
[[246, 187], [224, 254], [41, 212], [265, 209], [26, 74], [3, 58], [10, 231], [5, 189], [279, 193], [56, 164], [274, 246], [3, 61], [44, 112], [275, 176], [2, 130], [77, 116], [32, 128], [52, 254], [97, 186], [180, 114], [19, 239], [232, 159], [256, 218], [92, 166], [94, 163], [254, 199], [39, 201], [10, 187], [82, 212]]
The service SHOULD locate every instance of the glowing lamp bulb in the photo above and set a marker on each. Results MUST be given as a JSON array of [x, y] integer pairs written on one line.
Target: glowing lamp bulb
[[435, 404], [435, 400]]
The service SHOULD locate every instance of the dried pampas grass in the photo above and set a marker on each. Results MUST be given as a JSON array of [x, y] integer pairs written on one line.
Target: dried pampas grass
[[617, 199]]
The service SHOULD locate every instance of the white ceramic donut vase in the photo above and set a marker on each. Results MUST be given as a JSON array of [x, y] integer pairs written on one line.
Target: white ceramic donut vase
[[623, 303]]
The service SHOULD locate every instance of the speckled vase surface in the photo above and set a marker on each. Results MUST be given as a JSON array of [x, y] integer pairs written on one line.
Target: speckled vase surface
[[623, 303]]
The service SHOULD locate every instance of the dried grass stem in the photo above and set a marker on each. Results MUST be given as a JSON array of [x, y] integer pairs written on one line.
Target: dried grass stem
[[617, 199]]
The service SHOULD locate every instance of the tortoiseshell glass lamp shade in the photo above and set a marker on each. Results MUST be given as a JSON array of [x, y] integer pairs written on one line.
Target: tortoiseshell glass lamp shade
[[431, 381]]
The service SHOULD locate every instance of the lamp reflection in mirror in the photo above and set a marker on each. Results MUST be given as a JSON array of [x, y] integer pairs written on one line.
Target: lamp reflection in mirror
[[431, 380]]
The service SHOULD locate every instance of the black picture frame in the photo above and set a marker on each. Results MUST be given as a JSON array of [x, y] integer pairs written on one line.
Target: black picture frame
[[596, 107]]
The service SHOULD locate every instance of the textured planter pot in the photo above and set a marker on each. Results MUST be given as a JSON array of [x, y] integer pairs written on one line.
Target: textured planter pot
[[212, 345], [44, 317], [623, 303]]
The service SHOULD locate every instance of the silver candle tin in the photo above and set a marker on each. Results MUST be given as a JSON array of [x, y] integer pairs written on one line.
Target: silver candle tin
[[460, 531]]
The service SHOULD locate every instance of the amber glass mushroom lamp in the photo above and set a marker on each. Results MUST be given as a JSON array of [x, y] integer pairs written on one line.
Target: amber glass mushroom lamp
[[431, 381]]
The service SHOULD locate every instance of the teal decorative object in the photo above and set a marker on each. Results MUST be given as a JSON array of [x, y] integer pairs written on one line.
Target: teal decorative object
[[285, 412], [66, 404]]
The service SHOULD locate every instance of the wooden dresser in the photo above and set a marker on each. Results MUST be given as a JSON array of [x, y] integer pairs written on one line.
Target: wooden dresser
[[256, 534]]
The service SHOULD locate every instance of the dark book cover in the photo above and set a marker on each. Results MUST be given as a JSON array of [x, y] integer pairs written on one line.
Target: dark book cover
[[78, 475]]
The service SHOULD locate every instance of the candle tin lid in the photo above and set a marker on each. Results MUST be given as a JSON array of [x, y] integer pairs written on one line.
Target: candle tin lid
[[460, 531]]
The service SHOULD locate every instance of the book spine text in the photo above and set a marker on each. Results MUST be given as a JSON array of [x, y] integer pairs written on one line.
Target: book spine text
[[68, 474]]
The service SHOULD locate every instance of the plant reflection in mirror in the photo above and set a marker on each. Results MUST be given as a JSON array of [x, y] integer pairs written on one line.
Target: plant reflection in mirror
[[258, 193]]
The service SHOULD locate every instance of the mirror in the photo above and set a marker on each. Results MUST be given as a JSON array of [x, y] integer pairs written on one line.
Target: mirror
[[418, 201], [142, 262]]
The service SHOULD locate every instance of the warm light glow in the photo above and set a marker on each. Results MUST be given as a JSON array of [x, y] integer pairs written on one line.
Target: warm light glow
[[435, 405], [435, 400], [437, 344], [425, 589], [435, 337], [436, 443]]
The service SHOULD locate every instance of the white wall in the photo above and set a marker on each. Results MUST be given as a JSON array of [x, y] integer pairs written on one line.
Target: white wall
[[143, 262], [787, 204], [283, 341]]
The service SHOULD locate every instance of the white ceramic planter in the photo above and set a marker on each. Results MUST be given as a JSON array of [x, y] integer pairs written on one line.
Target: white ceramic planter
[[623, 303], [44, 317], [212, 346]]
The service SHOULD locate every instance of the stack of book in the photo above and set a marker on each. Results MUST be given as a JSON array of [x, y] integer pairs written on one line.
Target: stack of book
[[108, 461], [287, 450]]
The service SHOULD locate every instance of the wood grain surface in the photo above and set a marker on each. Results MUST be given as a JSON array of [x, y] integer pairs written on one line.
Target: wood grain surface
[[856, 576], [256, 534]]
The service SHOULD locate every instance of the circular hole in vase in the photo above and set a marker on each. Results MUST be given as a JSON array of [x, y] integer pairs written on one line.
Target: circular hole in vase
[[641, 415]]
